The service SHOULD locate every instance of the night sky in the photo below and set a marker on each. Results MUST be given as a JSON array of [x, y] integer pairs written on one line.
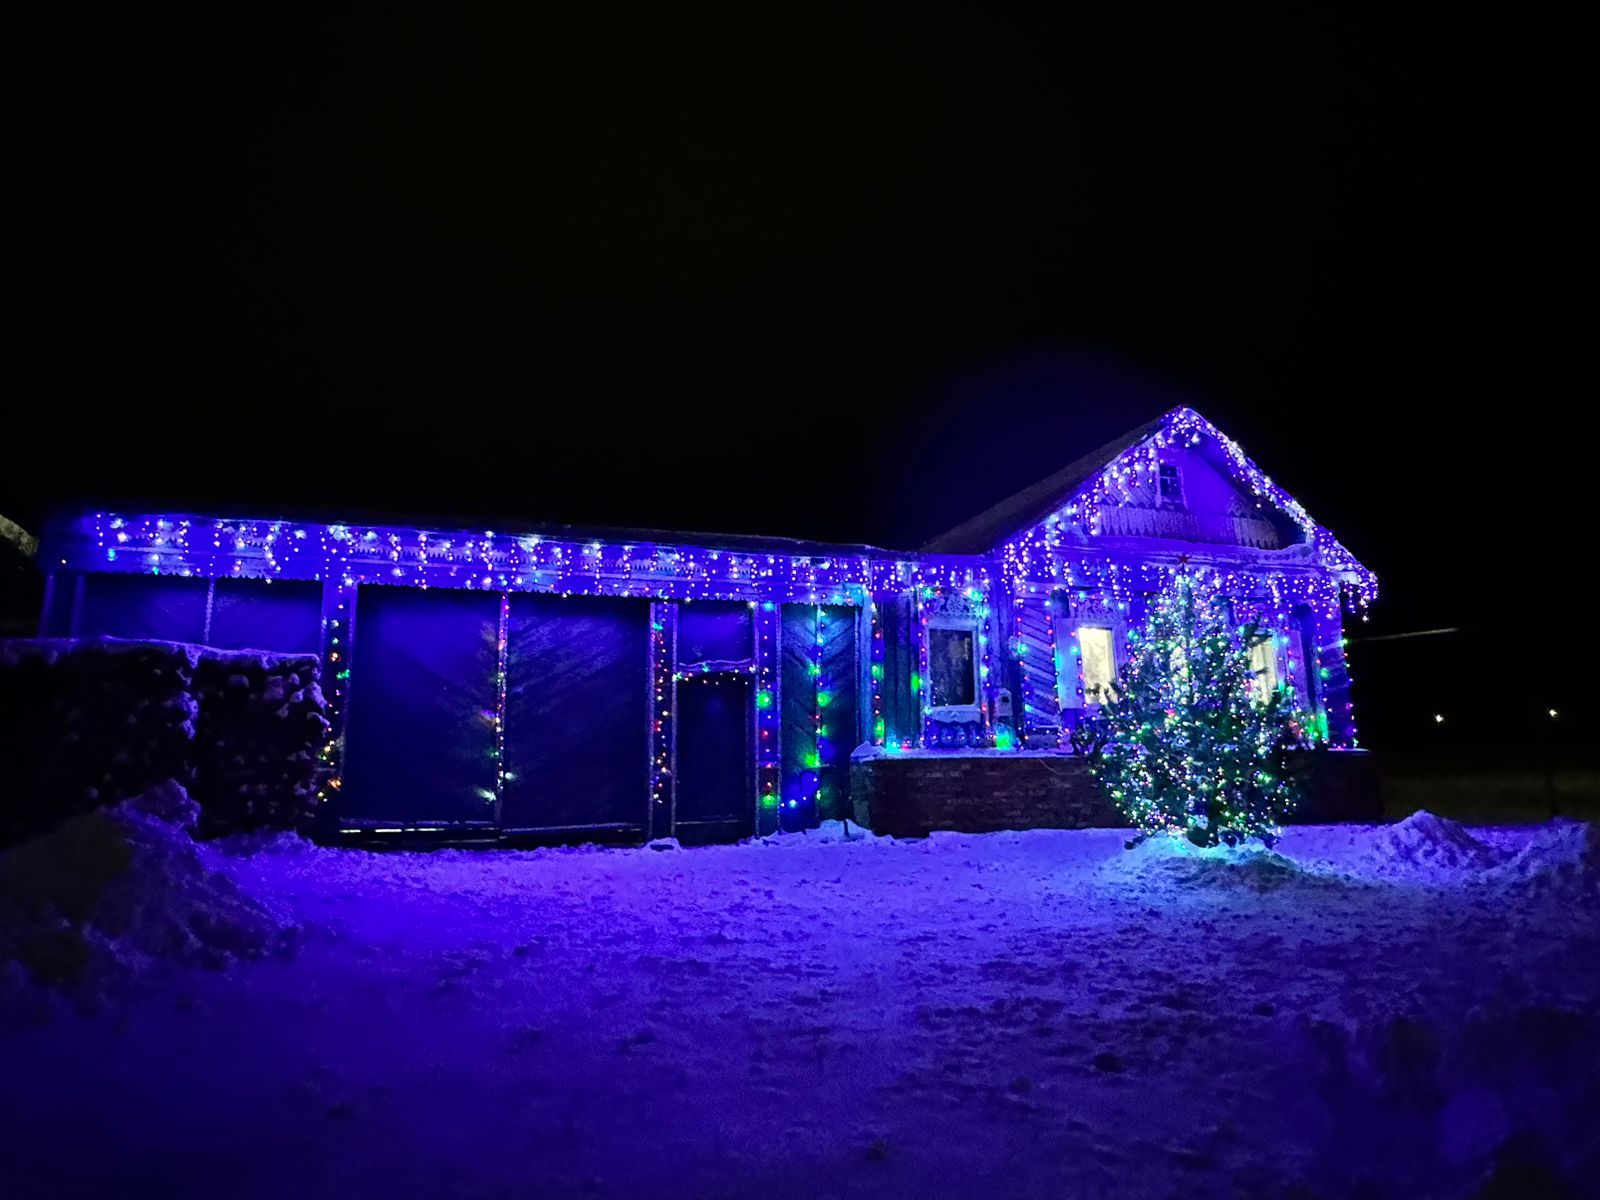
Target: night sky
[[848, 277]]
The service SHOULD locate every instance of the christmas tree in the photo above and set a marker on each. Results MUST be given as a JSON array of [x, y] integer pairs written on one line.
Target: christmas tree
[[1192, 744]]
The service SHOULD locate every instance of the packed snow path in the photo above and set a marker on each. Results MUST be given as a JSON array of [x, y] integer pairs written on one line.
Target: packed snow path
[[1394, 1012]]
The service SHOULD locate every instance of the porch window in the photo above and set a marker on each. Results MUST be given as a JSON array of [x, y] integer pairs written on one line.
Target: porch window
[[1264, 663], [1098, 654]]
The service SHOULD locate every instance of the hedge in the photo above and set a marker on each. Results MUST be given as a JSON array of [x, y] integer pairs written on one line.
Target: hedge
[[89, 723]]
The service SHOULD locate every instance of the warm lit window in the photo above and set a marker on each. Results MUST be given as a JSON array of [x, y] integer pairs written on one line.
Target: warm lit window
[[1264, 663], [1171, 484], [1099, 658]]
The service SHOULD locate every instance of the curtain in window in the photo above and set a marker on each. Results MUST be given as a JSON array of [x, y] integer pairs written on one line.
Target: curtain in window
[[1099, 663]]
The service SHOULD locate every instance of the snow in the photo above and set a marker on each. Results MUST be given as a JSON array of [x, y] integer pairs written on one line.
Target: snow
[[117, 893], [1394, 1011]]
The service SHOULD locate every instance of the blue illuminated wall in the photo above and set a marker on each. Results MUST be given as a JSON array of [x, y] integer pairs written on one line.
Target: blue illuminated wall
[[526, 682]]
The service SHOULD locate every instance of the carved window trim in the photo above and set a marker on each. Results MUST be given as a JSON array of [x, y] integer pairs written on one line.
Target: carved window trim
[[1092, 612], [954, 713]]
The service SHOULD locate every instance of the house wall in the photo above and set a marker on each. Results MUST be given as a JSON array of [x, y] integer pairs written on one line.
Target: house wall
[[736, 615], [1045, 613], [1213, 510], [710, 610]]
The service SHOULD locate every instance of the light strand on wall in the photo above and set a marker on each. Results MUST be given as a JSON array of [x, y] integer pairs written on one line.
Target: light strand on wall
[[661, 657], [767, 711], [501, 665], [875, 671]]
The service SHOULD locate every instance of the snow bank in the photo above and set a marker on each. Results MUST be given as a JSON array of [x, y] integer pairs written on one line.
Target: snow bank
[[116, 892], [1177, 862], [1425, 842], [826, 833], [1563, 858]]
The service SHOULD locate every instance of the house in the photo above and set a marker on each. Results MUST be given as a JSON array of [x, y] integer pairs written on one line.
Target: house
[[635, 684]]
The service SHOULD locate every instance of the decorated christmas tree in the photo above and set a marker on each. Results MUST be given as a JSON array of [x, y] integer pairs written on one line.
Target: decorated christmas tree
[[1193, 744]]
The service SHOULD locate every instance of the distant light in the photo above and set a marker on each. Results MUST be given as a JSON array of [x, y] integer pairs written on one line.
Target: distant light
[[1554, 714], [1438, 718]]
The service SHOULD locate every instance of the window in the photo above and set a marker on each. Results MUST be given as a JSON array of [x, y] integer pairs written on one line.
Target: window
[[952, 667], [1099, 658], [1171, 484], [1264, 662]]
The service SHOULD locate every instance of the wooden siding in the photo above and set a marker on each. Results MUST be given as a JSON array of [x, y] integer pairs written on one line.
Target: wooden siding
[[1212, 509], [420, 740], [1232, 529], [1042, 709], [577, 679], [816, 767]]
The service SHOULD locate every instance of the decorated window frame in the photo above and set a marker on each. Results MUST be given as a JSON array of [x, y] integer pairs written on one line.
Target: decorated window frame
[[939, 631], [1266, 666], [1280, 659], [1087, 612]]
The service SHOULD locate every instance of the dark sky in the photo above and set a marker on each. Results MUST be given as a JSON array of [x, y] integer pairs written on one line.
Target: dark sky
[[843, 276]]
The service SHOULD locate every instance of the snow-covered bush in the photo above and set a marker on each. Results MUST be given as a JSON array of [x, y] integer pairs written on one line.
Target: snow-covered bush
[[259, 731], [86, 724]]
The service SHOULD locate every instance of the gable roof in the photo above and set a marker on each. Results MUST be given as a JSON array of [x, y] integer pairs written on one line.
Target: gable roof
[[1033, 504], [1079, 480]]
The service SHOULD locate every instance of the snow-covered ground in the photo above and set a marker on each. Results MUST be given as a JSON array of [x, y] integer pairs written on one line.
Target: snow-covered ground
[[1373, 1012]]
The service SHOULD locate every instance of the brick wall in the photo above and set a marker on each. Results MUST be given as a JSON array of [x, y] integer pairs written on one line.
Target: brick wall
[[911, 793]]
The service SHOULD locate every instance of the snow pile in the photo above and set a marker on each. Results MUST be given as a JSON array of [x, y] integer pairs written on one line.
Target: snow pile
[[1563, 858], [112, 893], [1424, 842], [1177, 862], [826, 832]]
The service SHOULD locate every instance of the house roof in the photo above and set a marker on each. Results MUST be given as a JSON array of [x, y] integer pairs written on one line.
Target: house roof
[[1026, 509], [1033, 504], [62, 524]]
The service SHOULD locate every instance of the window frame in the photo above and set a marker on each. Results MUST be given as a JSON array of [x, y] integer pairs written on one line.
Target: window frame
[[1070, 690], [953, 713], [1109, 691], [1178, 500], [1267, 675]]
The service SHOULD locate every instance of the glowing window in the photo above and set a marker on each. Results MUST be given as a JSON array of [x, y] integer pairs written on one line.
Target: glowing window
[[1264, 662], [1099, 657]]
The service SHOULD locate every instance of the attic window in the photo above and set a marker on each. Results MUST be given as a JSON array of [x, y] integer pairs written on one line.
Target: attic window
[[1171, 484]]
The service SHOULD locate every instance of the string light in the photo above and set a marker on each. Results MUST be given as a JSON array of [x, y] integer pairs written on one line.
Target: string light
[[1081, 550], [663, 653], [1194, 744]]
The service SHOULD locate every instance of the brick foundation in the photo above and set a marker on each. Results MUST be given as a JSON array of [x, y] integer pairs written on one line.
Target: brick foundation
[[911, 793]]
